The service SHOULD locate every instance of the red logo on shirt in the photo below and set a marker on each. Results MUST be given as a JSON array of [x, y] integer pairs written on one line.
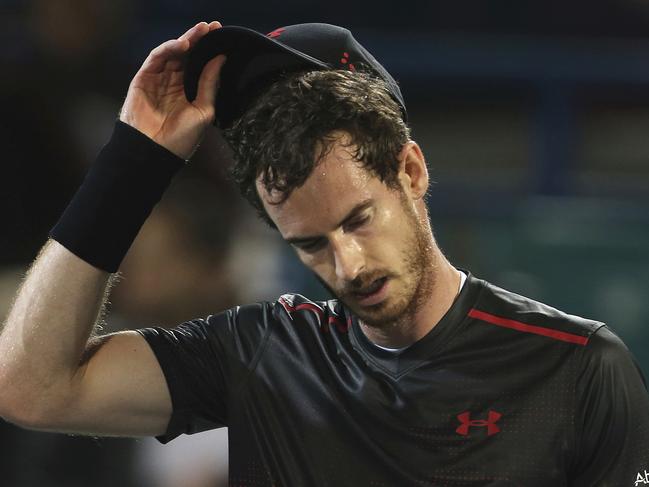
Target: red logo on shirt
[[276, 33], [466, 422]]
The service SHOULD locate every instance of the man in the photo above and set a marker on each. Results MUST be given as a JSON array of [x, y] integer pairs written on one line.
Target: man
[[418, 374]]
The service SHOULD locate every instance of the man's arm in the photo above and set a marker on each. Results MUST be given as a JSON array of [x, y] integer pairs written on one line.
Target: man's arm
[[51, 376], [612, 416], [45, 384]]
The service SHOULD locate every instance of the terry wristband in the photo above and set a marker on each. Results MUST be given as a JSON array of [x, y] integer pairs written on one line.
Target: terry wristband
[[117, 195]]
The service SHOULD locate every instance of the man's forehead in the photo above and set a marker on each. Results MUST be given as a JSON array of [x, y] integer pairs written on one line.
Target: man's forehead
[[337, 165], [335, 186]]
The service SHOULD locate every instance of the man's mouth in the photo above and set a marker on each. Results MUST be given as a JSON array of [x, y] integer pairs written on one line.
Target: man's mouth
[[372, 294]]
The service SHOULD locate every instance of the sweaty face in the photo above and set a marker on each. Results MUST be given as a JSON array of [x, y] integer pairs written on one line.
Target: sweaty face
[[364, 241]]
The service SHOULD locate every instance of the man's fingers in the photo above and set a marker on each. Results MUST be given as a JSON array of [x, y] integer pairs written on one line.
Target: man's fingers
[[157, 59], [176, 48], [208, 83], [194, 34], [194, 31]]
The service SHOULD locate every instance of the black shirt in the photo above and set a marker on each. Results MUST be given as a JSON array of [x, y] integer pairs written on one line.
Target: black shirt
[[503, 391]]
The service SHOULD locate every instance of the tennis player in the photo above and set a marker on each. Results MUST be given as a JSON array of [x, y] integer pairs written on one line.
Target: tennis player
[[416, 374]]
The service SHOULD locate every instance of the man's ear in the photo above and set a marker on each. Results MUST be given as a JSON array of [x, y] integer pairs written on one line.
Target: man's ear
[[413, 173]]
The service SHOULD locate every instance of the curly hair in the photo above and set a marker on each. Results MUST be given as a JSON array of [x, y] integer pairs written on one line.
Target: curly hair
[[291, 127]]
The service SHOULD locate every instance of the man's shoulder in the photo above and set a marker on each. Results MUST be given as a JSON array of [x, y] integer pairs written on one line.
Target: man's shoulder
[[287, 310], [507, 309], [541, 327], [292, 308], [292, 302]]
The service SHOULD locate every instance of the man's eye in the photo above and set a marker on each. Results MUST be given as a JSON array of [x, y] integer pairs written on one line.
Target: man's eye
[[356, 223], [312, 246]]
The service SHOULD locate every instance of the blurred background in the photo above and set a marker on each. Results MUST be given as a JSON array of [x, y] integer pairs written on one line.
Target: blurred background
[[533, 116]]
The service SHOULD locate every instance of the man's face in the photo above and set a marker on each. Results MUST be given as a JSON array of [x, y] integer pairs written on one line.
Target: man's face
[[366, 242]]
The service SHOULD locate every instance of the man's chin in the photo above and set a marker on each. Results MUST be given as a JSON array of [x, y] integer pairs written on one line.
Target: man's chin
[[379, 314]]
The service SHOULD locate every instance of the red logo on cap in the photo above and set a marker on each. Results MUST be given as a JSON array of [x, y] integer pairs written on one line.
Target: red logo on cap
[[345, 60], [276, 33]]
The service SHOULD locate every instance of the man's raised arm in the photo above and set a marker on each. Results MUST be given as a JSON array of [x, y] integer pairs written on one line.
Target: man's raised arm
[[53, 375]]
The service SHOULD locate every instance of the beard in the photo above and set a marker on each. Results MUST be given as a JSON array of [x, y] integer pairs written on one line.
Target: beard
[[416, 279]]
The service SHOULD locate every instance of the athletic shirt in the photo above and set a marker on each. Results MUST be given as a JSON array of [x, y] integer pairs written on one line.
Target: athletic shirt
[[503, 391]]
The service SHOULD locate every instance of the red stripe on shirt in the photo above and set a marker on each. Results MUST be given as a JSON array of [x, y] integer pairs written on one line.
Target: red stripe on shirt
[[537, 330]]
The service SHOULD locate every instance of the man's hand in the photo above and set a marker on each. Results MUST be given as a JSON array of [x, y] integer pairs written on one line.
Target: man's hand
[[155, 103]]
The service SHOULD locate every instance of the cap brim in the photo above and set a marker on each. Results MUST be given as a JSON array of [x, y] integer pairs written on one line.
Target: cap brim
[[253, 61]]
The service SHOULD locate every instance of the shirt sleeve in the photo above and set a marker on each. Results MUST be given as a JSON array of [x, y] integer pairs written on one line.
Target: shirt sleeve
[[612, 415], [206, 362]]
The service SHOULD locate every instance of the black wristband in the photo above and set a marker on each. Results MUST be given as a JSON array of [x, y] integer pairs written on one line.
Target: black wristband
[[120, 189]]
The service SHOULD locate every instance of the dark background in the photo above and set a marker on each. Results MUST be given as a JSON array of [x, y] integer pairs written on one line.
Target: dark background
[[533, 116]]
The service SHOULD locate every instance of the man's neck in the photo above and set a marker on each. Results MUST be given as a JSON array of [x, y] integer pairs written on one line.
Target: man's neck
[[406, 331]]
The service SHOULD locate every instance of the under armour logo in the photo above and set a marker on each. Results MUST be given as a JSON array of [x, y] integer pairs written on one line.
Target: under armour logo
[[466, 423], [276, 33]]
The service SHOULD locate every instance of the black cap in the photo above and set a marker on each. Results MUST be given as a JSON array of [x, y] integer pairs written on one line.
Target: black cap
[[255, 60]]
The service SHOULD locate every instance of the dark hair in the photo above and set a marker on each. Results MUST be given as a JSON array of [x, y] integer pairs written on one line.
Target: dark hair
[[289, 128]]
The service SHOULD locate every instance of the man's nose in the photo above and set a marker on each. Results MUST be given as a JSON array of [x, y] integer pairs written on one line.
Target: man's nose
[[349, 259]]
